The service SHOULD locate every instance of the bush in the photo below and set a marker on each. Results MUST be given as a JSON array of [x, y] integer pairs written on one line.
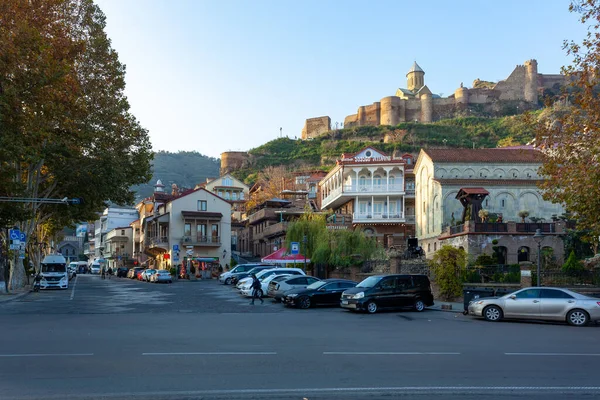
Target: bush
[[173, 271], [448, 265], [572, 264], [485, 259]]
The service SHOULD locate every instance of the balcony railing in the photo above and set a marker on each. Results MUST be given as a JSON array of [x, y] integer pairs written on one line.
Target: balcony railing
[[157, 241], [373, 188], [491, 227], [201, 240], [372, 217], [410, 192], [275, 229], [532, 227]]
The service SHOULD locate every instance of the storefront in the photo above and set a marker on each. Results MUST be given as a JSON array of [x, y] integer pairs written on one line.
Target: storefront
[[199, 267]]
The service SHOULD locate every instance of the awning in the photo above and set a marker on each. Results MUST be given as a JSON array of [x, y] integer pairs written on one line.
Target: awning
[[282, 256]]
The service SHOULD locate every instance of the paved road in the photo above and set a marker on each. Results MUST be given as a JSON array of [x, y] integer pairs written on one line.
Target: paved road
[[124, 339]]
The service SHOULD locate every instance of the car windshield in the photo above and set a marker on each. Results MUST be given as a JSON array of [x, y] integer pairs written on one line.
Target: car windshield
[[54, 268], [369, 282], [316, 285]]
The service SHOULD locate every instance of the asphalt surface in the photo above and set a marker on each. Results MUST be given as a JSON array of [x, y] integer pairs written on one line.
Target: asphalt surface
[[121, 339]]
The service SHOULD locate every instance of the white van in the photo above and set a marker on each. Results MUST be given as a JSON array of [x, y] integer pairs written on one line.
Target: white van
[[54, 272]]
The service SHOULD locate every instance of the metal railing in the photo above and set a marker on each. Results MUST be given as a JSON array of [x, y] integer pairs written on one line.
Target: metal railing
[[491, 227], [201, 239], [367, 188], [372, 216], [457, 229], [532, 227]]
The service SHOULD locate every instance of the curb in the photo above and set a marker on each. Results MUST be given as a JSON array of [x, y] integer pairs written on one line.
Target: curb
[[443, 310], [6, 298]]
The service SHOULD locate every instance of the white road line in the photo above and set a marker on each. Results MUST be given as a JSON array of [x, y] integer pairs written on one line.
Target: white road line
[[216, 353], [49, 355], [390, 353], [553, 354], [73, 291]]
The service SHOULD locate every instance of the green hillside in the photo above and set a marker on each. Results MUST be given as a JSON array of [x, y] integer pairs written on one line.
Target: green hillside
[[184, 168], [406, 137]]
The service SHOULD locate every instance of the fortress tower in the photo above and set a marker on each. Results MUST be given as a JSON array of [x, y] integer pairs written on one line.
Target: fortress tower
[[531, 81], [415, 78]]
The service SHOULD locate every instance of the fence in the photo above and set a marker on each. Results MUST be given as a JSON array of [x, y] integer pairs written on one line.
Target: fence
[[575, 278], [492, 274]]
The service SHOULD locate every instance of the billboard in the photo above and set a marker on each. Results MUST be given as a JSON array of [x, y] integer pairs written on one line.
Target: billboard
[[81, 230]]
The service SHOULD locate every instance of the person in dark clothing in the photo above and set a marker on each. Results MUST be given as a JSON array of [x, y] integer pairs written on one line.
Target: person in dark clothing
[[255, 289]]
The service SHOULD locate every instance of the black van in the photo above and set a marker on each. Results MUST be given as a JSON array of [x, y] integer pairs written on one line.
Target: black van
[[389, 291]]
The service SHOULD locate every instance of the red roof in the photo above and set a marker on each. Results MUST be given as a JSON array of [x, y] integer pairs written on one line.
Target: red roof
[[473, 190], [282, 256], [498, 155]]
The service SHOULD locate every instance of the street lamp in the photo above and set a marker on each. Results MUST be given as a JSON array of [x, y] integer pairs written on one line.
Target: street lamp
[[304, 240], [538, 237]]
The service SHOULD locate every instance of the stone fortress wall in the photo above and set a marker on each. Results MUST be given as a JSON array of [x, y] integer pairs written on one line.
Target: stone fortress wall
[[521, 89], [233, 160]]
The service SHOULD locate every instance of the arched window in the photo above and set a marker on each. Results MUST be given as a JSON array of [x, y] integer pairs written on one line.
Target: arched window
[[428, 247], [523, 253], [435, 247], [362, 180], [377, 180], [392, 180]]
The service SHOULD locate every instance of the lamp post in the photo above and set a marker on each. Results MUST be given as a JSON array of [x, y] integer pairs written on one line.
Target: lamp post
[[538, 237], [304, 240]]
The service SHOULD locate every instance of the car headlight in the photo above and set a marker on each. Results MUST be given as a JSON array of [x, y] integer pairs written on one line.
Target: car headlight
[[359, 295], [293, 295]]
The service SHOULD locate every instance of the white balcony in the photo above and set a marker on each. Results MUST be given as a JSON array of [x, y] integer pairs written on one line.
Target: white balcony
[[365, 218], [363, 189]]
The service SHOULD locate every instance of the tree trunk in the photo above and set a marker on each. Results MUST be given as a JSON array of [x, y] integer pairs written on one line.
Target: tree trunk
[[18, 277]]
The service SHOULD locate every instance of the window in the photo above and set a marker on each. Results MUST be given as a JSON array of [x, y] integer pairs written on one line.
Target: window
[[368, 153], [529, 294], [227, 194], [234, 196], [122, 232], [403, 283], [227, 182], [487, 202], [346, 285], [187, 230], [378, 208], [242, 196], [201, 230], [297, 281], [555, 294], [201, 205], [502, 203], [435, 246], [387, 284], [362, 180], [215, 230], [220, 193], [312, 280], [377, 180]]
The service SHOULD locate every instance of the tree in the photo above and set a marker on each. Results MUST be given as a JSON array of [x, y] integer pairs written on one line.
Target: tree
[[448, 264], [572, 265], [570, 136], [66, 129], [270, 183]]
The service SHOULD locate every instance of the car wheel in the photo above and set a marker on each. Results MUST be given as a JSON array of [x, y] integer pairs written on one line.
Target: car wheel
[[419, 305], [228, 281], [578, 318], [492, 313], [304, 302], [371, 307]]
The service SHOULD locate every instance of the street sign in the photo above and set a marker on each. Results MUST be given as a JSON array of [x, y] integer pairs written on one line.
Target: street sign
[[15, 239], [295, 248], [175, 247], [190, 252]]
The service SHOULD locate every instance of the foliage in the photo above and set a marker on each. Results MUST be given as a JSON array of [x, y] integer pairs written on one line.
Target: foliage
[[523, 214], [483, 214], [570, 136], [574, 241], [448, 265], [271, 182], [233, 263], [337, 248], [572, 264], [184, 168], [485, 259], [65, 125], [173, 271]]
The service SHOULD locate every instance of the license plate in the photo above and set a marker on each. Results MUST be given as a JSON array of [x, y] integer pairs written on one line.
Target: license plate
[[344, 302]]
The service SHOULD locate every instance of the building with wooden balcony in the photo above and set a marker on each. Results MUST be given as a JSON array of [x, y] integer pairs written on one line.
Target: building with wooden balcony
[[118, 249], [506, 181], [377, 190], [194, 224]]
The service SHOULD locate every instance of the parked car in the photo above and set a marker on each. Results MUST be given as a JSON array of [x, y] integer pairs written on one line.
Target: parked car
[[122, 272], [132, 274], [246, 289], [145, 274], [281, 284], [321, 293], [389, 291], [265, 273], [225, 277], [72, 270], [235, 278], [161, 275], [95, 269], [548, 303]]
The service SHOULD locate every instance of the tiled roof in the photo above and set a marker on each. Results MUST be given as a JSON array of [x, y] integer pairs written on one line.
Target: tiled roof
[[487, 182], [473, 190], [499, 155]]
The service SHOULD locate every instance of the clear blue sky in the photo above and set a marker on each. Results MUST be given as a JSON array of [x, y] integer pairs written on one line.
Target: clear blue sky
[[222, 75]]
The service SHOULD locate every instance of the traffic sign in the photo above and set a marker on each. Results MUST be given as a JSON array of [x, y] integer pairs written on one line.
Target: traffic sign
[[175, 247], [295, 247], [14, 234]]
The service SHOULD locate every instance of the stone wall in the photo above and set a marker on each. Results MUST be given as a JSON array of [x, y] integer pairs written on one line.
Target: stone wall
[[232, 160], [314, 127]]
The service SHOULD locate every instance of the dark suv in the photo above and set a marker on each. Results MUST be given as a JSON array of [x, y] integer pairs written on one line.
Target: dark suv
[[389, 291]]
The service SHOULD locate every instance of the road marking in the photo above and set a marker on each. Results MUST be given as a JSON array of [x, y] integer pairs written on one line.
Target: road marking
[[553, 354], [49, 355], [405, 389], [216, 353], [73, 291], [390, 353]]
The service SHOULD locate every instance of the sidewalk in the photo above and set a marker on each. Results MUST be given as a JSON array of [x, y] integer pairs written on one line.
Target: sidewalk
[[447, 306], [14, 294]]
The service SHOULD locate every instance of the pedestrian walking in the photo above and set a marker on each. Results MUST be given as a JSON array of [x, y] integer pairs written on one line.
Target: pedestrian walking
[[255, 288]]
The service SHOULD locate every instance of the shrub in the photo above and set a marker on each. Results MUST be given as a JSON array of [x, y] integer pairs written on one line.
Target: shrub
[[173, 271], [448, 264], [485, 259], [572, 264]]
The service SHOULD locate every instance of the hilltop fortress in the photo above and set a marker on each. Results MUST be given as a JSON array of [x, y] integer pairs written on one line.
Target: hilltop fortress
[[519, 92]]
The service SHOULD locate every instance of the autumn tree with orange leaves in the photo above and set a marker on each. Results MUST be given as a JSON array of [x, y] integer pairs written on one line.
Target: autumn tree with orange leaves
[[570, 136]]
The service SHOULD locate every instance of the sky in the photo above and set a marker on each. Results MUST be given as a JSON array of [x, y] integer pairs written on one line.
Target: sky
[[226, 75]]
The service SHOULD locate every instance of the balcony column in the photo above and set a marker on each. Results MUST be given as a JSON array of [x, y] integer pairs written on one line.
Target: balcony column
[[403, 210], [387, 207], [372, 204], [356, 181]]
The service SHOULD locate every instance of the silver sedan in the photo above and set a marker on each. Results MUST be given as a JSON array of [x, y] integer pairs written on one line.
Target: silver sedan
[[541, 303]]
